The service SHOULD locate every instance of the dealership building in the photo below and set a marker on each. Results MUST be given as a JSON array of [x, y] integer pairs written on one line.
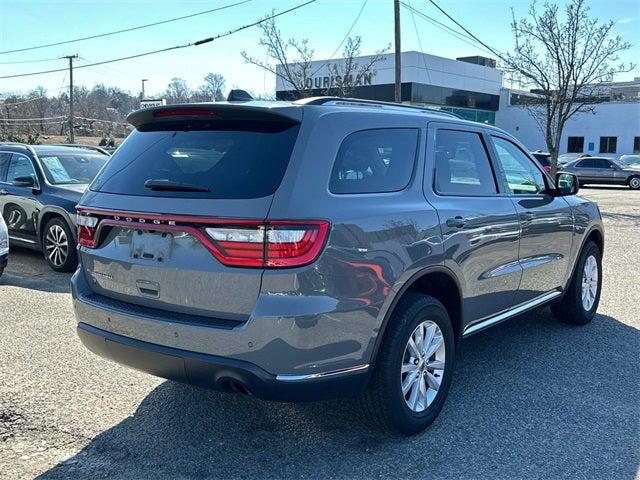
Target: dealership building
[[473, 88]]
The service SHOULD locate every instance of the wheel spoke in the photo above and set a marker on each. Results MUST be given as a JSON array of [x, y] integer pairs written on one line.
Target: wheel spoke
[[433, 382], [419, 338], [415, 393], [414, 349], [435, 345], [435, 365], [431, 331], [409, 368], [408, 382]]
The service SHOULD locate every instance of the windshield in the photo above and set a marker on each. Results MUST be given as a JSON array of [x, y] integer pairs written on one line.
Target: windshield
[[72, 168], [629, 160]]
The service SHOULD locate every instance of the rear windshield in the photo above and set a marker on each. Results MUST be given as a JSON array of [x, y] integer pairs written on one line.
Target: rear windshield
[[230, 159]]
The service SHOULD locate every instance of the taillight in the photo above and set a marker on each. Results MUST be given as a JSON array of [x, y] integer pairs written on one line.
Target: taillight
[[272, 245], [547, 169], [177, 112], [86, 230]]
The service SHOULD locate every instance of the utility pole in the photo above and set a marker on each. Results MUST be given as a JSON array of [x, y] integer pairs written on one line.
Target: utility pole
[[72, 138], [143, 80], [396, 18]]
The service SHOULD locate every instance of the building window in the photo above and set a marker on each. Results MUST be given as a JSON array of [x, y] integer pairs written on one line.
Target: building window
[[608, 144], [636, 144], [575, 144]]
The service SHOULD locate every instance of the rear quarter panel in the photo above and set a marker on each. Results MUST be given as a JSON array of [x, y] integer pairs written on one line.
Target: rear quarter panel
[[377, 242]]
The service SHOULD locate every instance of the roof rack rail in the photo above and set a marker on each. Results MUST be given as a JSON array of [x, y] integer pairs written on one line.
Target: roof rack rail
[[372, 103], [80, 145], [26, 146]]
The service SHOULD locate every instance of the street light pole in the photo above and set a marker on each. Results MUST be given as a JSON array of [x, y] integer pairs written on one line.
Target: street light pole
[[398, 58], [143, 80]]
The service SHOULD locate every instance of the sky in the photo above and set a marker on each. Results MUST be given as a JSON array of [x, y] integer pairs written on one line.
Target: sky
[[324, 23]]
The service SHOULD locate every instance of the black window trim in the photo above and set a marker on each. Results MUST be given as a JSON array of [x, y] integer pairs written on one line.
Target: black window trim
[[482, 134], [388, 192], [503, 178]]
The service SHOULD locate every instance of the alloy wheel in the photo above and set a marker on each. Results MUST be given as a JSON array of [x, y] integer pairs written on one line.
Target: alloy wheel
[[56, 245], [589, 283], [634, 182], [423, 365]]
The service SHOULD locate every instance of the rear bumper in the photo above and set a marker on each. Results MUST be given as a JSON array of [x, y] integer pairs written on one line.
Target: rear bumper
[[220, 373], [3, 259]]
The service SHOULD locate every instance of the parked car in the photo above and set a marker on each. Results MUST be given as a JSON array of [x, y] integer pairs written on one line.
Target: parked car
[[600, 170], [544, 158], [324, 247], [629, 161], [4, 245], [40, 186]]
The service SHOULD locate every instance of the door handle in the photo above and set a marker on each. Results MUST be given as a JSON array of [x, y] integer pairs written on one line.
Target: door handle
[[527, 216], [456, 222]]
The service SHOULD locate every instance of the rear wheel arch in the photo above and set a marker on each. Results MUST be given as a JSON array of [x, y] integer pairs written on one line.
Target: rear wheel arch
[[46, 216], [438, 282]]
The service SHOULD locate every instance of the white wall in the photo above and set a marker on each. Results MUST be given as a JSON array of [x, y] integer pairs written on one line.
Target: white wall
[[439, 71], [614, 119]]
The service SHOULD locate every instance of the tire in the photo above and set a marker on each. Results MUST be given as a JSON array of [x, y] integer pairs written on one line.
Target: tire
[[634, 183], [572, 309], [59, 246], [384, 403]]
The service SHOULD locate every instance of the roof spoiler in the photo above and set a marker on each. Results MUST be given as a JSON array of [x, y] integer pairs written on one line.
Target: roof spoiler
[[190, 112]]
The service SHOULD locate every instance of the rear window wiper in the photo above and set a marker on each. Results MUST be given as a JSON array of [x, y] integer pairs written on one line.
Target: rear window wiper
[[168, 185]]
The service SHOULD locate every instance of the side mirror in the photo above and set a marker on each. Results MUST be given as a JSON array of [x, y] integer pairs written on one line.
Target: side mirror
[[26, 181], [566, 184]]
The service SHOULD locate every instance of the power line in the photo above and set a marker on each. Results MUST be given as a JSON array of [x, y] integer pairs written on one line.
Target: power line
[[344, 39], [30, 61], [81, 39], [493, 50], [415, 26], [161, 50], [445, 28]]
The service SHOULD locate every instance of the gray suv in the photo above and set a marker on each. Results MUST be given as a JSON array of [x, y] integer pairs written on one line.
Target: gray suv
[[323, 247]]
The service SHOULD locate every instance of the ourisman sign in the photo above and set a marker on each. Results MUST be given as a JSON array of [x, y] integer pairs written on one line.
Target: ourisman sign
[[335, 80]]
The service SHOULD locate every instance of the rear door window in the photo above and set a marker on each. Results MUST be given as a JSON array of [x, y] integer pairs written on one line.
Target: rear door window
[[227, 159], [375, 161], [462, 165]]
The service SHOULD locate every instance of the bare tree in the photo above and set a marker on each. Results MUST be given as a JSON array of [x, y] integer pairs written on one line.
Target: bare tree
[[349, 73], [212, 89], [563, 61], [293, 70], [178, 91], [291, 61]]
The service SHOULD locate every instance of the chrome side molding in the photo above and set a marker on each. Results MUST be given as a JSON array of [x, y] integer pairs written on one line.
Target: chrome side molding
[[481, 325], [321, 375]]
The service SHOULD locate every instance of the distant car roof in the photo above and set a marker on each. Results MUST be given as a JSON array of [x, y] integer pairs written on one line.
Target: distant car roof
[[61, 149]]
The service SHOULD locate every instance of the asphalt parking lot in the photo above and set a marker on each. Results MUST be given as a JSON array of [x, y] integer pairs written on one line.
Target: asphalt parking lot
[[531, 398]]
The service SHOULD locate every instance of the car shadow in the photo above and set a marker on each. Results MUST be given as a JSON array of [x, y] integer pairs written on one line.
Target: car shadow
[[531, 398], [28, 269]]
